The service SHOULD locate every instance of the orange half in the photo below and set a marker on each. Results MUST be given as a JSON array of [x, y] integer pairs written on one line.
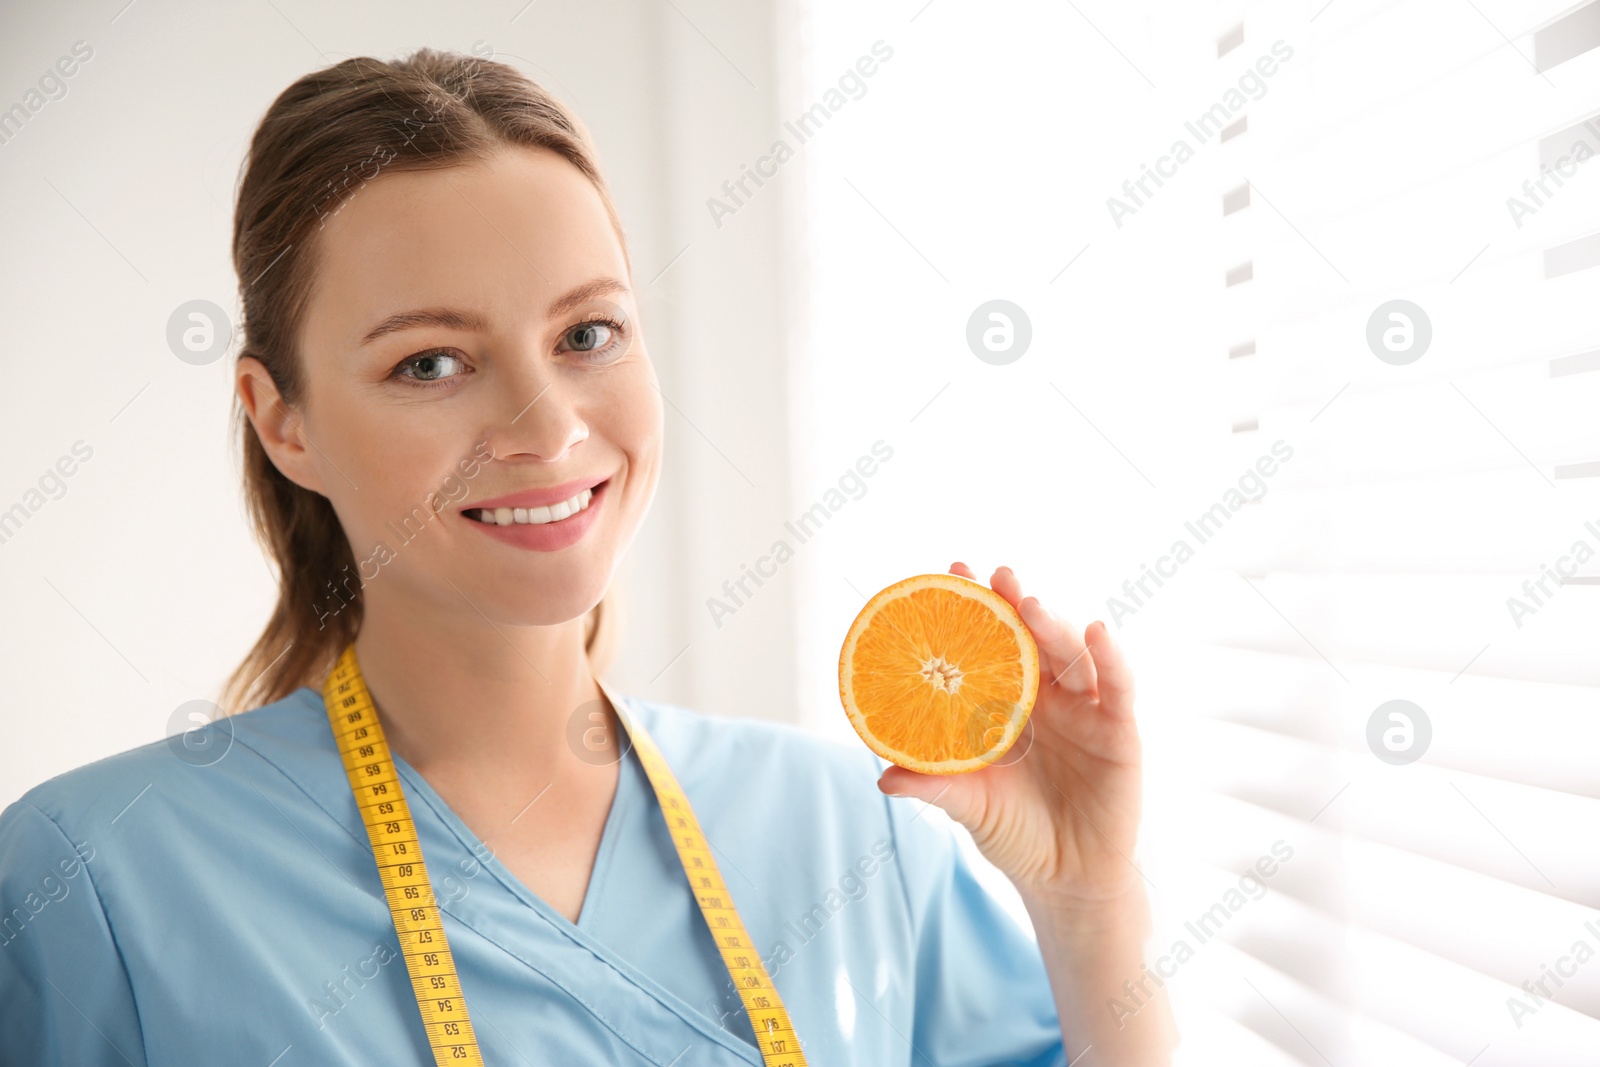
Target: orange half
[[938, 674]]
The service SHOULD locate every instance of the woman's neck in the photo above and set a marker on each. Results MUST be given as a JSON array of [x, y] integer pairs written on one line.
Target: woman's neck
[[469, 695]]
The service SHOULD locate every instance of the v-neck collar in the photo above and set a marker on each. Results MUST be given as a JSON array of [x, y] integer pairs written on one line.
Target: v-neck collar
[[622, 802], [333, 795]]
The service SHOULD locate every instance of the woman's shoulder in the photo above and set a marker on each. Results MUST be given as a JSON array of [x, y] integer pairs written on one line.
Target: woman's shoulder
[[202, 765]]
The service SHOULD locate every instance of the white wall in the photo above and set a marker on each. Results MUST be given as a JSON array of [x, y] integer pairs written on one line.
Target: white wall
[[140, 587]]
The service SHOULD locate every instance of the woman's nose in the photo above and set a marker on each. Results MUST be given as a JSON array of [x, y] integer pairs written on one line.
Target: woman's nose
[[538, 418]]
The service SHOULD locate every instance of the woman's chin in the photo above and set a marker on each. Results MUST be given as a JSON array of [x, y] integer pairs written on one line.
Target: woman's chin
[[532, 604]]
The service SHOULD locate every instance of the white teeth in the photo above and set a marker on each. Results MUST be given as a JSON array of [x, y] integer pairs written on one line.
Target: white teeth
[[535, 516]]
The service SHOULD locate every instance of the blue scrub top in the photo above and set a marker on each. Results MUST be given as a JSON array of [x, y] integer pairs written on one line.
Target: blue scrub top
[[161, 907]]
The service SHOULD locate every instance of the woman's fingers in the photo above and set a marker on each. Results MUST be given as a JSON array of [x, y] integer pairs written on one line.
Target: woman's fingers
[[1064, 661], [1115, 677], [1004, 581]]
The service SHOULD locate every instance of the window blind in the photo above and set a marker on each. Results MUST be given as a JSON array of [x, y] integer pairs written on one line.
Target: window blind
[[1373, 508], [1434, 540]]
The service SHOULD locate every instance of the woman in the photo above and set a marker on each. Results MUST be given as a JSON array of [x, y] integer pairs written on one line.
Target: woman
[[452, 434]]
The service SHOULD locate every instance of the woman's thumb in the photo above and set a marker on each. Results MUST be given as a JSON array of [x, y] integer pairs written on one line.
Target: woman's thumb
[[954, 794]]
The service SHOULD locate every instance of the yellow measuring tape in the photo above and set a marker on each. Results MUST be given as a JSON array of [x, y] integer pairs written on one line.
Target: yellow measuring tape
[[415, 912]]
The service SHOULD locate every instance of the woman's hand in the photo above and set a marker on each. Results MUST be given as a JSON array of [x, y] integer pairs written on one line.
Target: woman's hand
[[1059, 812]]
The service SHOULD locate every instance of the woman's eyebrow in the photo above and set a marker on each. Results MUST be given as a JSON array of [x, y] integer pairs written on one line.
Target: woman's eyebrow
[[473, 321], [450, 318], [584, 293]]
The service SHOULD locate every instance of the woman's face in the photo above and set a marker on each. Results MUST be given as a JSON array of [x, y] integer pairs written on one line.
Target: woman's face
[[454, 355]]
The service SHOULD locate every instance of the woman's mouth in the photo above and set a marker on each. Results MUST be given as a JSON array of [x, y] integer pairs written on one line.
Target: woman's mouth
[[540, 516], [544, 528]]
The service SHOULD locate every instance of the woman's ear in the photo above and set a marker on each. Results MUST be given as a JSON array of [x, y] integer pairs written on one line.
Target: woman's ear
[[277, 425]]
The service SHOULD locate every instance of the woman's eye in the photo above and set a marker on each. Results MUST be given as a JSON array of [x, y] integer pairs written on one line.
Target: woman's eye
[[589, 336], [428, 367], [597, 340]]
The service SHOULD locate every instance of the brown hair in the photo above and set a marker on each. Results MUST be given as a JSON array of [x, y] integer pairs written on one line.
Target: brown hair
[[323, 137]]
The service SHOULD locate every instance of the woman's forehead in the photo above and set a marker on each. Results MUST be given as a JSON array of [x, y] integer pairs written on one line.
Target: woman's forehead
[[511, 233]]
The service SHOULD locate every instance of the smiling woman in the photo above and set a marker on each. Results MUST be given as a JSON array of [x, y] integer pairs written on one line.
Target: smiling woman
[[410, 317], [465, 317]]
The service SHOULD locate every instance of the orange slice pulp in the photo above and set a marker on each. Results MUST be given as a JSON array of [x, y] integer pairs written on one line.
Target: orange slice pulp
[[939, 674]]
